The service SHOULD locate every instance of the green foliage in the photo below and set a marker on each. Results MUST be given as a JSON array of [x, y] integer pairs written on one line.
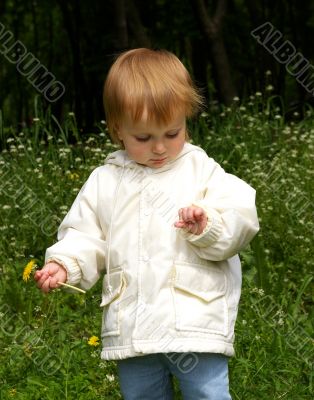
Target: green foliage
[[45, 352]]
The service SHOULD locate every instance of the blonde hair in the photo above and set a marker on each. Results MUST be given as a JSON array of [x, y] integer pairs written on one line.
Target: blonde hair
[[154, 81]]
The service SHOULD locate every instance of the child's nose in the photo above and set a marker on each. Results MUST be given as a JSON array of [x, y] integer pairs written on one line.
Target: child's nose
[[159, 148]]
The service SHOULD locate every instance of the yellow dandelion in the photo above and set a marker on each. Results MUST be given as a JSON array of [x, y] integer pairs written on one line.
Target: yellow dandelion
[[93, 341], [74, 175], [28, 270]]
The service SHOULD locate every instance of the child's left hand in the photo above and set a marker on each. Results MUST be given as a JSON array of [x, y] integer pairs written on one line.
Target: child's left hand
[[193, 219]]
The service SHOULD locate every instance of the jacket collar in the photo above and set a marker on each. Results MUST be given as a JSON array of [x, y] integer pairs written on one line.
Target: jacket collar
[[121, 159]]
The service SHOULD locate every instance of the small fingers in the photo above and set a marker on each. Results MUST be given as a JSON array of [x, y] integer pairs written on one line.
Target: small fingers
[[53, 283], [186, 214], [47, 278], [192, 219], [41, 278], [37, 275], [45, 282], [179, 224], [198, 212], [44, 286]]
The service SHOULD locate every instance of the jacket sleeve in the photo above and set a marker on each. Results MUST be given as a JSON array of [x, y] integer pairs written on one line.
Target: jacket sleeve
[[81, 245], [232, 218]]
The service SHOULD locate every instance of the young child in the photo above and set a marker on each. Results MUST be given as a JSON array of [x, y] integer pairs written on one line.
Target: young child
[[164, 222]]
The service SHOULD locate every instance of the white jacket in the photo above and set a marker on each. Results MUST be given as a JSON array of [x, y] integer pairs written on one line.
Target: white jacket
[[164, 290]]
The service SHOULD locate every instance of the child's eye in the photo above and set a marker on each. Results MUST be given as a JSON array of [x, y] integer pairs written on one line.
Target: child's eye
[[146, 139], [139, 139], [173, 135]]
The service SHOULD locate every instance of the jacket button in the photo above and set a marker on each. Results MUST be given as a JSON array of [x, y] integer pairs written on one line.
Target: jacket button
[[147, 212]]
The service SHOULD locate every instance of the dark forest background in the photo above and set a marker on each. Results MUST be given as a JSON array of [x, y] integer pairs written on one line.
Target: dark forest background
[[78, 40]]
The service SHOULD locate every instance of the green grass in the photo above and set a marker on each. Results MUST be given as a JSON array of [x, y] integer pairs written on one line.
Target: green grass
[[44, 350]]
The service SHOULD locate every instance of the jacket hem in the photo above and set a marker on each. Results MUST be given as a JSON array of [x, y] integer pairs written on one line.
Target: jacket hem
[[144, 347]]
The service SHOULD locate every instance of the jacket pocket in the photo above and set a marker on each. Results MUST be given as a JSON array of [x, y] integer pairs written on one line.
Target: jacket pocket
[[111, 303], [200, 298]]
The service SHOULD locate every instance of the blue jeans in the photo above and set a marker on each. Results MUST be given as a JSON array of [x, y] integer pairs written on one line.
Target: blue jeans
[[201, 376]]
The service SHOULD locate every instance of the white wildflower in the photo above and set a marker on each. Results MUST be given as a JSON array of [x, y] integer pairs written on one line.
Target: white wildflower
[[110, 377]]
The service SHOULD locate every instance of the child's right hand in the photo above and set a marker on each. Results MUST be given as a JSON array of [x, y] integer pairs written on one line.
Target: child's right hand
[[49, 276]]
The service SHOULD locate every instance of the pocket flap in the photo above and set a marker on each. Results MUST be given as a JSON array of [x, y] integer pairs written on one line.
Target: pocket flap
[[117, 283], [204, 281]]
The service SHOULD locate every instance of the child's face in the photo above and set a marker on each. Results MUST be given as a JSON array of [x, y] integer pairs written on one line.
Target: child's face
[[150, 144]]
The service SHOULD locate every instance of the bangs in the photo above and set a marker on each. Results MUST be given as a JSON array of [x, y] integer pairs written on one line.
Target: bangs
[[160, 103]]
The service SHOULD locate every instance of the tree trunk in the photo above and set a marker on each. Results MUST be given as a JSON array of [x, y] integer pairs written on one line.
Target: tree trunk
[[72, 22], [255, 13], [212, 31], [2, 7], [136, 26], [35, 26], [19, 104], [120, 38], [199, 56]]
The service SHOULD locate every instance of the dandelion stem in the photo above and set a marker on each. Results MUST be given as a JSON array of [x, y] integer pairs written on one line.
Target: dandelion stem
[[72, 287]]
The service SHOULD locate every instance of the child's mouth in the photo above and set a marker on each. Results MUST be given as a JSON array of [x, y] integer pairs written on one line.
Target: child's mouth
[[160, 160]]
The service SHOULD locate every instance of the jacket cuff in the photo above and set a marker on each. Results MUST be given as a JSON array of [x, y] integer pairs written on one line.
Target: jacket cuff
[[74, 274], [211, 231]]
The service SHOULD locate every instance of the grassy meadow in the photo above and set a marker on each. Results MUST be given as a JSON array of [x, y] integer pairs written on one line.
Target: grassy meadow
[[46, 351]]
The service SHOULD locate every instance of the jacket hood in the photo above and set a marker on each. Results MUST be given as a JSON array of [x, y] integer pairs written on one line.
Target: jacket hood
[[121, 158]]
